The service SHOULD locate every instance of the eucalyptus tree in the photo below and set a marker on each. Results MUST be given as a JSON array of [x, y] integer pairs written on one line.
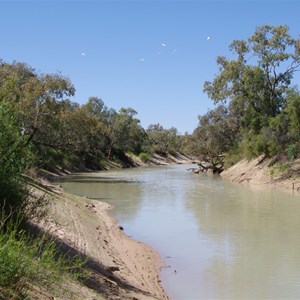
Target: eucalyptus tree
[[215, 135], [33, 96], [12, 78], [163, 140], [123, 131], [255, 81], [285, 127], [95, 106], [254, 86]]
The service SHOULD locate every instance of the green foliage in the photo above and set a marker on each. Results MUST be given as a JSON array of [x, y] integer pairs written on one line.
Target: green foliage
[[278, 169], [126, 133], [29, 113], [292, 111], [13, 160], [257, 91], [254, 87], [215, 135], [163, 140], [293, 151], [58, 131], [144, 157], [25, 261]]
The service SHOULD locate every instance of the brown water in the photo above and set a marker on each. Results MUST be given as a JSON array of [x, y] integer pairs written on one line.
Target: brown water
[[219, 240]]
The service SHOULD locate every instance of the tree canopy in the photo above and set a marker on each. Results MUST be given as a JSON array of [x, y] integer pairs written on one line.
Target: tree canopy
[[59, 131], [254, 89]]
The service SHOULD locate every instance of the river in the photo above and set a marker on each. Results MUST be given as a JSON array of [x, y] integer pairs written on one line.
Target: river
[[219, 240]]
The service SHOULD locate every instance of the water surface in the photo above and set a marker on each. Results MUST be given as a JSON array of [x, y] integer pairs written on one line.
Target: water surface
[[219, 240]]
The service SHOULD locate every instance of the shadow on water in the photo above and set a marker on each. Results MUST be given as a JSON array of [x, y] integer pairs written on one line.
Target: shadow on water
[[120, 191], [93, 179]]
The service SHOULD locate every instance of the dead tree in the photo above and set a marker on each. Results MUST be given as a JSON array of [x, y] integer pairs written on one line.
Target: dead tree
[[214, 164]]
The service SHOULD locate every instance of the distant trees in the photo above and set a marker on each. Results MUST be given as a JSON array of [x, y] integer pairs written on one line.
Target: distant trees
[[59, 131], [164, 140], [256, 107], [215, 135]]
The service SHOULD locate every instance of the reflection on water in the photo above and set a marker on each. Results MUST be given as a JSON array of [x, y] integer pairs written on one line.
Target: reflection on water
[[219, 240]]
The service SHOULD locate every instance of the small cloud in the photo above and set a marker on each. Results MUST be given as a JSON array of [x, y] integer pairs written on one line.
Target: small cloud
[[208, 38], [164, 45], [83, 54], [142, 59], [174, 51]]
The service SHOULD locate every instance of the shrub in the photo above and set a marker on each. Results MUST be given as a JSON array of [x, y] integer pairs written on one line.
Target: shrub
[[144, 157], [278, 169], [292, 151], [14, 159], [25, 261]]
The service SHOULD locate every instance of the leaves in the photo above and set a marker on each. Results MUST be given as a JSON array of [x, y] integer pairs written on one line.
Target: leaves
[[255, 88]]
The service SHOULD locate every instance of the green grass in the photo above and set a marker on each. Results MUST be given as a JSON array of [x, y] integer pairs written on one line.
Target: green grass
[[144, 157], [25, 260], [278, 169]]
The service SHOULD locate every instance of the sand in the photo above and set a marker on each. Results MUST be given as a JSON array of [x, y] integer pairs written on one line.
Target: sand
[[274, 172], [122, 268]]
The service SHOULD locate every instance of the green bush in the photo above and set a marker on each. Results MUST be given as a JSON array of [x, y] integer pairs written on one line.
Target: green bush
[[278, 169], [144, 157], [232, 157], [25, 261], [14, 158], [292, 151]]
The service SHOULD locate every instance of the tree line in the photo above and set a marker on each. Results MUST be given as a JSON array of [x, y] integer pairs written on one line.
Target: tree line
[[257, 110], [55, 128]]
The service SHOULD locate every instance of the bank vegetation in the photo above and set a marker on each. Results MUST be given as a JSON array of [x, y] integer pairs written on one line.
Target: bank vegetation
[[257, 109]]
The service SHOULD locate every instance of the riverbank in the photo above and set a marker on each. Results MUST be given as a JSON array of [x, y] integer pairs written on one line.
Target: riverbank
[[276, 172], [127, 161], [121, 268]]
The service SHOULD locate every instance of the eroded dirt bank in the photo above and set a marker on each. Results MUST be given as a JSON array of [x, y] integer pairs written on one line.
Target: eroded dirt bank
[[122, 268], [276, 172]]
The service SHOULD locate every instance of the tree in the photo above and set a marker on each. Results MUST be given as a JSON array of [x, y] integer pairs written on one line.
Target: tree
[[34, 97], [163, 140], [95, 106], [123, 131], [256, 85], [286, 126], [12, 77], [292, 110], [215, 135]]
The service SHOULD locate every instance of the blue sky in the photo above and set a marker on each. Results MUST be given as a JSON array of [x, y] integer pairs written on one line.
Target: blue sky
[[125, 63]]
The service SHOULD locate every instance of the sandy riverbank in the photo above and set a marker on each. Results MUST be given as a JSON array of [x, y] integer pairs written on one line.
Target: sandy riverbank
[[275, 172], [122, 268]]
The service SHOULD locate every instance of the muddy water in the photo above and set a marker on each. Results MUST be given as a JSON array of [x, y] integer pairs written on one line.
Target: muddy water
[[219, 240]]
